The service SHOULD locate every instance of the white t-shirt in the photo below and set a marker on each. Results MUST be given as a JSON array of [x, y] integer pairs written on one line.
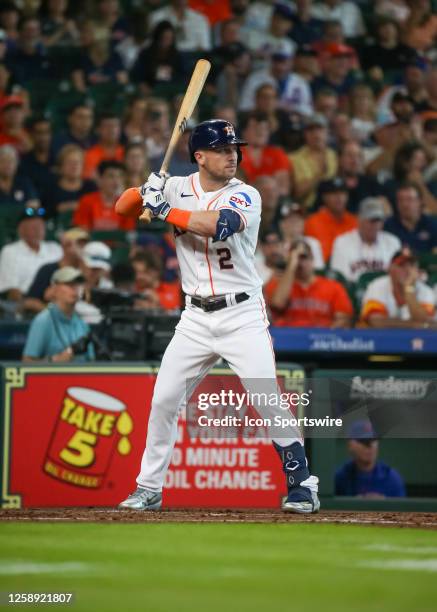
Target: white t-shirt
[[216, 268], [296, 94], [192, 32], [266, 44], [347, 13], [352, 257], [379, 298], [19, 263]]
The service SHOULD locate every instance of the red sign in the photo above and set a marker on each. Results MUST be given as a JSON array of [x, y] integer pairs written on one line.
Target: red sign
[[74, 436]]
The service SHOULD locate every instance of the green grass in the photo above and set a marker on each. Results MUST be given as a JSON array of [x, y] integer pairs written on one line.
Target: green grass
[[223, 568]]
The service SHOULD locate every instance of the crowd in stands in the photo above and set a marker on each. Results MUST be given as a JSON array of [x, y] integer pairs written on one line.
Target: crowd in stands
[[337, 101]]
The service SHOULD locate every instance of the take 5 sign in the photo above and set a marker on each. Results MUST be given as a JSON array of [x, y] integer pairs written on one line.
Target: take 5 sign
[[74, 436]]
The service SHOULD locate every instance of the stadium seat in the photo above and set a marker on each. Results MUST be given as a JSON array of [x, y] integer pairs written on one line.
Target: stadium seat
[[362, 284], [428, 262]]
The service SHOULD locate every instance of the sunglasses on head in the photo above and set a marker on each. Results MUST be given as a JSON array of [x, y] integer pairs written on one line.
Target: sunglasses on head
[[34, 212]]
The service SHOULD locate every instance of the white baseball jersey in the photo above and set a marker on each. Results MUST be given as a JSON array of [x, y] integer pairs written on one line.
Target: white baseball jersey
[[217, 268], [379, 299], [352, 257]]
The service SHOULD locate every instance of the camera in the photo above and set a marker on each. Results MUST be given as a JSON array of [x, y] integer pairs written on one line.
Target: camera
[[81, 345]]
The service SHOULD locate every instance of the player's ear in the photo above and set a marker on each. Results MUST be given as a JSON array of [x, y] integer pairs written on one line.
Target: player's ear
[[199, 157]]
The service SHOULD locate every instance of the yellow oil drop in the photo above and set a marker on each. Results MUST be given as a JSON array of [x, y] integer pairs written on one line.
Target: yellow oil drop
[[124, 424], [124, 446]]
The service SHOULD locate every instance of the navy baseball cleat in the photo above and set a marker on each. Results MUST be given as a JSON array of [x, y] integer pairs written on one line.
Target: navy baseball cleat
[[302, 488], [142, 499]]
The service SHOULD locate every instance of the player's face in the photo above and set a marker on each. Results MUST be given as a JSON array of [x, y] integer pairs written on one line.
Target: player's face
[[363, 454], [220, 163]]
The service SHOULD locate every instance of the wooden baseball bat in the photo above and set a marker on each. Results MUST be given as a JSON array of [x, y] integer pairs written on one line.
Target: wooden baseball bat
[[188, 105]]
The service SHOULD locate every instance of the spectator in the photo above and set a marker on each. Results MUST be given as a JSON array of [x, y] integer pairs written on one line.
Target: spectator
[[163, 245], [347, 13], [341, 130], [41, 291], [136, 164], [364, 475], [157, 128], [363, 112], [263, 44], [57, 333], [15, 188], [27, 60], [300, 298], [420, 26], [306, 28], [109, 15], [259, 158], [332, 34], [38, 164], [159, 62], [409, 223], [192, 27], [5, 82], [63, 192], [430, 103], [399, 299], [135, 119], [99, 64], [387, 53], [410, 162], [332, 219], [80, 129], [270, 195], [154, 292], [337, 72], [12, 124], [367, 248], [395, 9], [429, 140], [351, 170], [20, 260], [108, 147], [266, 101], [306, 63], [313, 162], [270, 254], [96, 210], [180, 163], [326, 104], [123, 277], [400, 101], [213, 11], [231, 79], [56, 27], [9, 19], [226, 112], [291, 222], [96, 267], [294, 92], [229, 36]]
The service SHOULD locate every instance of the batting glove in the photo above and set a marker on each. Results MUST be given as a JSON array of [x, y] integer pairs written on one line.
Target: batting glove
[[154, 201], [156, 181]]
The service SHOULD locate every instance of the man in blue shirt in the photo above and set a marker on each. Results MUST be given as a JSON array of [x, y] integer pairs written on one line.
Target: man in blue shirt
[[364, 475], [57, 333]]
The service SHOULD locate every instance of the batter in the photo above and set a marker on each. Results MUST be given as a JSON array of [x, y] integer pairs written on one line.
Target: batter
[[216, 219]]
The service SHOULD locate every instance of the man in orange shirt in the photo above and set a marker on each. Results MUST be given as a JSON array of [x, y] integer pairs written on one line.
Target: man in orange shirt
[[148, 282], [95, 210], [300, 298], [332, 219], [108, 146], [259, 158]]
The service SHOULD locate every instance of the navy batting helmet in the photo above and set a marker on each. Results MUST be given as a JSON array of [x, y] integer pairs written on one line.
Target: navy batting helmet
[[213, 134]]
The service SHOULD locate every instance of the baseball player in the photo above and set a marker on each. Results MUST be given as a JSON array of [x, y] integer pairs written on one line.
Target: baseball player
[[216, 219]]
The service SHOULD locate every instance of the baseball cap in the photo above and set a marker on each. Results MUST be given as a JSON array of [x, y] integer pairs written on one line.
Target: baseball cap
[[283, 10], [333, 185], [291, 208], [404, 255], [281, 51], [76, 233], [97, 255], [270, 236], [315, 120], [362, 431], [339, 50], [371, 208], [67, 274], [10, 101]]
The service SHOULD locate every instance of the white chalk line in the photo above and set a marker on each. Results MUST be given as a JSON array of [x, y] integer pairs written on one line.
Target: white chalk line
[[12, 568]]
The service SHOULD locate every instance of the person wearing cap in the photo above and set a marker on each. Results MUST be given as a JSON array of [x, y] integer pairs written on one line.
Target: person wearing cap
[[155, 293], [39, 163], [399, 299], [12, 116], [337, 72], [300, 298], [58, 334], [194, 32], [41, 290], [291, 222], [20, 260], [306, 63], [409, 223], [15, 188], [263, 44], [348, 13], [306, 28], [96, 268], [364, 475], [367, 248], [313, 162], [294, 92], [332, 219], [95, 210], [260, 158]]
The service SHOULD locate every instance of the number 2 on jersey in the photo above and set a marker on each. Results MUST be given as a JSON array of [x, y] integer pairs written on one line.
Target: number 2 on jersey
[[225, 257]]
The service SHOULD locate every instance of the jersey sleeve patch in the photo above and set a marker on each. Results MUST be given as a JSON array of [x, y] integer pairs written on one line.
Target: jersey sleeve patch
[[240, 200]]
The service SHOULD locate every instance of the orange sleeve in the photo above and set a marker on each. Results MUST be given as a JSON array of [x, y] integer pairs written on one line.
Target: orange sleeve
[[342, 301], [169, 295], [83, 214], [281, 160], [430, 309], [373, 307], [269, 288], [91, 162]]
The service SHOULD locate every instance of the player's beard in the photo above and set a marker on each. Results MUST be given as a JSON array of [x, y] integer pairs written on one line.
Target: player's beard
[[221, 176]]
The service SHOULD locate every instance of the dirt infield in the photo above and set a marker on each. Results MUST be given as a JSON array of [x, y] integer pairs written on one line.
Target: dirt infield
[[424, 520]]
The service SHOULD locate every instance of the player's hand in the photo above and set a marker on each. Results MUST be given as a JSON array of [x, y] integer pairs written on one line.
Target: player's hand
[[154, 201], [156, 181], [295, 253]]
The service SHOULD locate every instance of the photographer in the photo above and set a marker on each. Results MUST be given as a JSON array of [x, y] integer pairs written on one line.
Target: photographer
[[57, 333]]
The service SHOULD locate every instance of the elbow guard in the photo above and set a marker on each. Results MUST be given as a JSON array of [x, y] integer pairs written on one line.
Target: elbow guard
[[228, 223]]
